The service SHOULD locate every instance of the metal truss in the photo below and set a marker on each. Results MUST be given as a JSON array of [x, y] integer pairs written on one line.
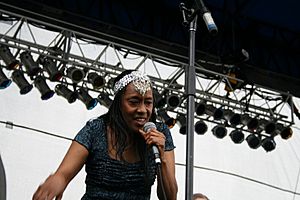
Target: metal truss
[[108, 58]]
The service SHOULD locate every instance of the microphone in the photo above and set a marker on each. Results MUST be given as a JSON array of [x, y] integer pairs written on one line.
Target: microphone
[[206, 15], [147, 127]]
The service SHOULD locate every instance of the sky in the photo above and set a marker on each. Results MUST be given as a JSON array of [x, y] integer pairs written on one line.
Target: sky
[[42, 131]]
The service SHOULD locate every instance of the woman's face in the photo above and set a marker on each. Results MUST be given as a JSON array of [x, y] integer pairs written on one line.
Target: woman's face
[[136, 108]]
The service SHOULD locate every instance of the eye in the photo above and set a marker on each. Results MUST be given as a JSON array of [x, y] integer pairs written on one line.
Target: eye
[[134, 101], [148, 102]]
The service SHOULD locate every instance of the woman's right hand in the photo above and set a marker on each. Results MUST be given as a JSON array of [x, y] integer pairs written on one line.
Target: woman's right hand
[[53, 187], [55, 184]]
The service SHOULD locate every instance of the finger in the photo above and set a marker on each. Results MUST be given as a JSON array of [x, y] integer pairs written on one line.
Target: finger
[[50, 197], [155, 136], [41, 196], [154, 140], [142, 133], [59, 197], [37, 193], [45, 196]]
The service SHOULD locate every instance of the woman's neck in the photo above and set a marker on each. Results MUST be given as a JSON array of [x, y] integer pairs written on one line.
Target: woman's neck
[[130, 153]]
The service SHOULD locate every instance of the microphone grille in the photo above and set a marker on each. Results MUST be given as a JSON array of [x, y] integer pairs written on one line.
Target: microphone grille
[[148, 126]]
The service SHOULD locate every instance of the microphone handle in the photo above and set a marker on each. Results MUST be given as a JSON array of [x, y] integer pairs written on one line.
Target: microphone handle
[[147, 127], [156, 154]]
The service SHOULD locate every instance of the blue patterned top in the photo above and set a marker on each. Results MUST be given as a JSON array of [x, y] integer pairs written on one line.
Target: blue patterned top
[[108, 178]]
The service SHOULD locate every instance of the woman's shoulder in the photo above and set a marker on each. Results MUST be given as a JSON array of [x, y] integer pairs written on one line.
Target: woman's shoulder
[[161, 126], [93, 127], [96, 122], [93, 131]]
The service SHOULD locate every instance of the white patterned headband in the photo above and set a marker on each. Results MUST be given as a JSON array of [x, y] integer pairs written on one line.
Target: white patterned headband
[[140, 81]]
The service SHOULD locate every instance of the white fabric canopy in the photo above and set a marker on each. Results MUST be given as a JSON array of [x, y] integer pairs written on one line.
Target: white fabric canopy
[[223, 170]]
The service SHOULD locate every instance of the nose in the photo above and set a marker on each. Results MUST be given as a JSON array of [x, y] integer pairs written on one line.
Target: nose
[[142, 108]]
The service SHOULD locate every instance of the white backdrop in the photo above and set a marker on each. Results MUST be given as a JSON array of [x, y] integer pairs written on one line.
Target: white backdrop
[[223, 170]]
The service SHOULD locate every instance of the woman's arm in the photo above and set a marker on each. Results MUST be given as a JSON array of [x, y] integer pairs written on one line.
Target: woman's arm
[[168, 177], [56, 183], [154, 137]]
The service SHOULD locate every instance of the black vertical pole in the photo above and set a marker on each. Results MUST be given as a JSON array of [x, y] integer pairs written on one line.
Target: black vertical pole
[[190, 18], [190, 82]]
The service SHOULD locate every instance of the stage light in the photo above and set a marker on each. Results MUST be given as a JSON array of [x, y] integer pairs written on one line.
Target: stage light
[[200, 127], [50, 66], [64, 91], [181, 121], [173, 101], [84, 96], [18, 78], [110, 83], [216, 113], [268, 144], [234, 119], [41, 85], [75, 74], [268, 126], [200, 108], [104, 100], [4, 81], [96, 80], [251, 123], [253, 141], [32, 67], [237, 136], [169, 121], [284, 132], [219, 131], [159, 100], [10, 61]]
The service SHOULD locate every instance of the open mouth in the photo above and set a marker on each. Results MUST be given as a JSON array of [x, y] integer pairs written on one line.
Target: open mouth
[[140, 121]]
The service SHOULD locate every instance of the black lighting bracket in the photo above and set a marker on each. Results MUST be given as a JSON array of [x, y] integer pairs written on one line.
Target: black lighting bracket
[[187, 14]]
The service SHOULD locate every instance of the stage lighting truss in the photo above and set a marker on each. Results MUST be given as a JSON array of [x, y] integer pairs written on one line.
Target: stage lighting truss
[[84, 67]]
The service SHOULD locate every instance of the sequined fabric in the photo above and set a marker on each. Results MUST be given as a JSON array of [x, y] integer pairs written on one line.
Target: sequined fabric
[[111, 179]]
